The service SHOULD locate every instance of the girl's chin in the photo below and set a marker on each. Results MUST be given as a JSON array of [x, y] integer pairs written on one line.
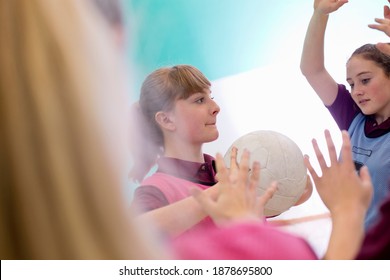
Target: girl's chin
[[366, 112], [211, 139]]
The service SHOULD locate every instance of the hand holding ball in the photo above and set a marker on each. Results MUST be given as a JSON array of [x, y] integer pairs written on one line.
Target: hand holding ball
[[281, 160]]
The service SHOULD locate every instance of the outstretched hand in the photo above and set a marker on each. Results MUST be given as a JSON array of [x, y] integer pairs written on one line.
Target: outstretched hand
[[237, 199], [340, 187], [328, 6], [346, 193], [383, 24]]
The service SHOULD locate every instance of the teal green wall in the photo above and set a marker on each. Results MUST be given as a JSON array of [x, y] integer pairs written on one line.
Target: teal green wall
[[220, 37], [227, 37]]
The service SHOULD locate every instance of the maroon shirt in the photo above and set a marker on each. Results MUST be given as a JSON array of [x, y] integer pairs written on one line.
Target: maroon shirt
[[376, 244]]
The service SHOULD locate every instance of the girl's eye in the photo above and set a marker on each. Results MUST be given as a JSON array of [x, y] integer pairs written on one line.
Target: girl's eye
[[200, 100], [351, 85], [365, 81]]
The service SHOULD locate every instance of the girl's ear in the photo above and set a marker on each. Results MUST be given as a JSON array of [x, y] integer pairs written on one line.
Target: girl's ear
[[164, 121]]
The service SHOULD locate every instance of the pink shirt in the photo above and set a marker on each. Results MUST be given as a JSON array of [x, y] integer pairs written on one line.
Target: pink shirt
[[173, 181], [173, 188], [242, 241]]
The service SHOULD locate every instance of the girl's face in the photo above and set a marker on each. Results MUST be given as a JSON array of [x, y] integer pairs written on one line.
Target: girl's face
[[370, 87], [195, 118]]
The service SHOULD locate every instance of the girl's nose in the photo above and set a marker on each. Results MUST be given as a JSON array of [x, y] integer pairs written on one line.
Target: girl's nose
[[215, 108], [357, 91]]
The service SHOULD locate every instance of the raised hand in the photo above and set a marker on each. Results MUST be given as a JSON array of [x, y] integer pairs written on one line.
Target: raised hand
[[328, 6], [237, 199], [340, 187], [346, 194], [383, 24]]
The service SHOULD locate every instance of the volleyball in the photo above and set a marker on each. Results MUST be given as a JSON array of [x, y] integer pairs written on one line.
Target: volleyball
[[281, 160]]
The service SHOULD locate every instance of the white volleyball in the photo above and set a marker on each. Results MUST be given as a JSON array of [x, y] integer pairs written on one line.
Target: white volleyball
[[281, 160]]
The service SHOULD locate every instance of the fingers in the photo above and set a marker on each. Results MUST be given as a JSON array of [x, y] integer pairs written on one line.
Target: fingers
[[310, 168], [365, 176], [222, 171], [383, 25], [366, 182], [269, 193], [319, 155], [233, 158], [244, 164], [340, 3], [328, 7], [331, 147], [383, 21], [220, 162], [240, 171], [331, 151], [346, 151], [237, 172], [254, 178]]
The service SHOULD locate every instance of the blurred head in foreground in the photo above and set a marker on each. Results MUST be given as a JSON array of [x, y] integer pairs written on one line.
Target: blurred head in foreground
[[63, 99]]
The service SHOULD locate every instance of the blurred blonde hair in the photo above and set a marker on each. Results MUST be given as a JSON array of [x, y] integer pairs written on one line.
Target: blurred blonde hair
[[63, 111]]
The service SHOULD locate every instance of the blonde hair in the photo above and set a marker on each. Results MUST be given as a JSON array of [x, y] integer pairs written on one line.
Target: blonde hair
[[159, 92], [62, 110]]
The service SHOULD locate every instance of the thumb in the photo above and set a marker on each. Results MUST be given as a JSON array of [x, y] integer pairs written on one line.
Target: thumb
[[341, 3], [365, 176], [269, 193]]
